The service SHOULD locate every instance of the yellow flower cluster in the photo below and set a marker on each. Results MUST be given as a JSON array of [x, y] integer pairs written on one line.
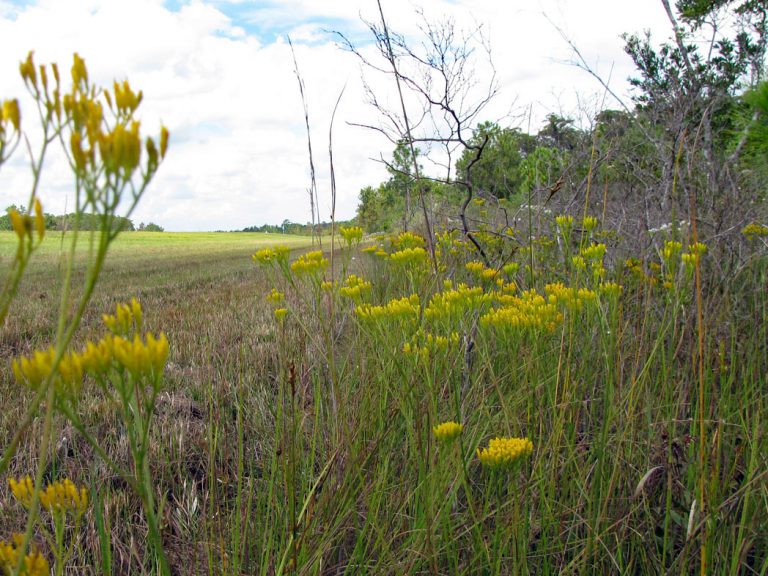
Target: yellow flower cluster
[[36, 369], [275, 297], [125, 318], [454, 304], [407, 240], [448, 431], [589, 223], [482, 271], [119, 147], [355, 288], [416, 257], [511, 269], [274, 254], [353, 234], [670, 251], [504, 452], [310, 263], [528, 311], [754, 230], [58, 497], [280, 314], [691, 258], [568, 297], [24, 224], [139, 357], [611, 289], [10, 113], [564, 222], [425, 346], [404, 309], [34, 563], [594, 252], [449, 245]]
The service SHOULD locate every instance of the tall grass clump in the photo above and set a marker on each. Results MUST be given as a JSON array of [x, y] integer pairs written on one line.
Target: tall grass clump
[[545, 415]]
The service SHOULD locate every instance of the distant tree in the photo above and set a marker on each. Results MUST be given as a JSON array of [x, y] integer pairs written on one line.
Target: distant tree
[[88, 221], [497, 170], [152, 227]]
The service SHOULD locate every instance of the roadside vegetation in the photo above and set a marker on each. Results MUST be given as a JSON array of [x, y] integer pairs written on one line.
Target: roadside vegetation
[[555, 366]]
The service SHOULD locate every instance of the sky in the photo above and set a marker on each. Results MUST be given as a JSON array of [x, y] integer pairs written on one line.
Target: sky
[[220, 76]]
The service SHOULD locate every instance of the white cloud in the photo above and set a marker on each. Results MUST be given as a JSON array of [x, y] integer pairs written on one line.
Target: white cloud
[[227, 91]]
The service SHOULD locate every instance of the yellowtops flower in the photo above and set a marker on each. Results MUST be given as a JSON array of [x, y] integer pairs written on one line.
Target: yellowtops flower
[[57, 497], [34, 563], [310, 263], [594, 252], [589, 223], [126, 317], [10, 113], [126, 99], [39, 219], [351, 235], [407, 240], [22, 490], [511, 269], [447, 431], [504, 452], [404, 309], [409, 257], [36, 369], [564, 222], [355, 288], [97, 358], [142, 358], [454, 304], [754, 230], [275, 297], [280, 314], [274, 254], [610, 289]]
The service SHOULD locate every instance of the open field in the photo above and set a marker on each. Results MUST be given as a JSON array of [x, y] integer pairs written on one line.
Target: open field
[[165, 268]]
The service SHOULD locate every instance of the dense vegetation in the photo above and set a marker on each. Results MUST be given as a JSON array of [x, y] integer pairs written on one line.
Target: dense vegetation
[[553, 361]]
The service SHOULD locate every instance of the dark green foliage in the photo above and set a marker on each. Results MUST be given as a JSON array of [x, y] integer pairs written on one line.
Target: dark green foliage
[[498, 170]]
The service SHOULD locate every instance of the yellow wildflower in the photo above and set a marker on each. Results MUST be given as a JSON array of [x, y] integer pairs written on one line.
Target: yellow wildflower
[[410, 257], [355, 288], [504, 452], [310, 263], [34, 563], [141, 358], [564, 222], [10, 113], [280, 314], [36, 369], [126, 316], [275, 297], [407, 240], [589, 223], [64, 496], [611, 289], [447, 431], [754, 230], [351, 235]]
